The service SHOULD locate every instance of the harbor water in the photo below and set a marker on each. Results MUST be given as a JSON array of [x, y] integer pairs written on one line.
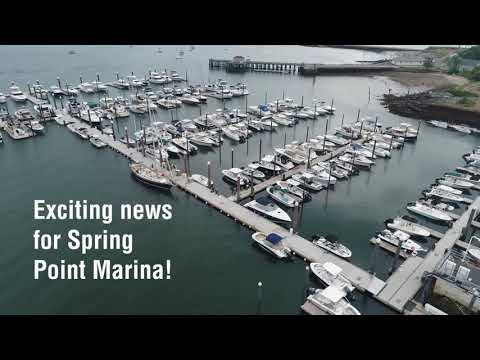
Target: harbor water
[[215, 267]]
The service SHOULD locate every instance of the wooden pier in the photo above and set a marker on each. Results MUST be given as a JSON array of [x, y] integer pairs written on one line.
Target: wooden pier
[[406, 281], [240, 64]]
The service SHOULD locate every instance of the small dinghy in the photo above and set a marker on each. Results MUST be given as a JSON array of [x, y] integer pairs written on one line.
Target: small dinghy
[[97, 142], [331, 244], [407, 227], [331, 274], [273, 244]]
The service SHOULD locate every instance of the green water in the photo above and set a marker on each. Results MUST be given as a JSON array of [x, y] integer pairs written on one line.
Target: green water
[[215, 267]]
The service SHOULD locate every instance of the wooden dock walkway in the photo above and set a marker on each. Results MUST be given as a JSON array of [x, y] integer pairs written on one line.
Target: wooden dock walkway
[[406, 281]]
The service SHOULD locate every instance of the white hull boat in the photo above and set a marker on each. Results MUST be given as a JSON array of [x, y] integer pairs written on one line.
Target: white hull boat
[[202, 180], [268, 208], [333, 246], [407, 227], [331, 300], [331, 274], [280, 195], [428, 212], [397, 236], [272, 243]]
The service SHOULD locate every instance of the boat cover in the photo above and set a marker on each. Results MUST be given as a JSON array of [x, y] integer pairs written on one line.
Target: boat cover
[[332, 268], [356, 146], [274, 238], [263, 200]]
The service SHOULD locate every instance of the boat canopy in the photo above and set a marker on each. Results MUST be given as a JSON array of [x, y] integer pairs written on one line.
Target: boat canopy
[[333, 293], [356, 146], [332, 268], [274, 238]]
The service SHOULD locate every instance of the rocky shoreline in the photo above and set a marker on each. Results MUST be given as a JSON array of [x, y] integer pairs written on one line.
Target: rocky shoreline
[[429, 106]]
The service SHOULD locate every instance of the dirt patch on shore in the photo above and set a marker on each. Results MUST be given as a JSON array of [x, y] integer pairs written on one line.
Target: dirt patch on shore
[[425, 79]]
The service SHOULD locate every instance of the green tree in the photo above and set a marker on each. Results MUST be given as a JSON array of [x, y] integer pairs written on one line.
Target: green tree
[[454, 65], [475, 73]]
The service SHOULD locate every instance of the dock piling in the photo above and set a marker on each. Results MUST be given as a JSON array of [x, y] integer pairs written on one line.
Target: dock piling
[[232, 157], [209, 183], [238, 189], [472, 301], [259, 298], [260, 151], [306, 137], [343, 116], [373, 259], [358, 115], [59, 84], [305, 288], [54, 104], [285, 139]]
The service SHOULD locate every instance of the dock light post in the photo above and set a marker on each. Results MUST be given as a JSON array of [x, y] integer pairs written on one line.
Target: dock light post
[[395, 259], [468, 246], [374, 255], [232, 157], [185, 165], [418, 127], [283, 95], [259, 298], [474, 298], [209, 176], [260, 151]]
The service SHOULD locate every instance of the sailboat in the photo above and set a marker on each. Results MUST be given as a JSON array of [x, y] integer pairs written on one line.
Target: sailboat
[[150, 177]]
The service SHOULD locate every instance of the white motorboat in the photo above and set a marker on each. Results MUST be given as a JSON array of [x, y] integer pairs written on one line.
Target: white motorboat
[[407, 227], [473, 179], [331, 300], [307, 181], [189, 99], [97, 142], [260, 110], [293, 188], [280, 195], [358, 160], [140, 108], [331, 274], [329, 243], [397, 236], [282, 119], [89, 116], [437, 204], [264, 165], [291, 155], [121, 84], [56, 91], [349, 168], [175, 76], [378, 150], [119, 110], [268, 124], [428, 212], [234, 174], [3, 98], [440, 124], [44, 110], [187, 125], [358, 150], [255, 125], [150, 177], [202, 180], [322, 176], [133, 81], [256, 174], [183, 144], [333, 168], [455, 183], [347, 132], [334, 139], [446, 195], [86, 88], [82, 131], [99, 86], [460, 128], [449, 189], [17, 95], [222, 94], [202, 139], [232, 133], [35, 126], [272, 243], [268, 208]]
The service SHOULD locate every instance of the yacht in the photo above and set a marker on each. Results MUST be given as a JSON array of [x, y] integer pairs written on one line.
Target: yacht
[[293, 187], [202, 180], [331, 274], [16, 95], [322, 176], [440, 124], [455, 183], [232, 133], [156, 78], [23, 114], [240, 90], [268, 125], [121, 84], [307, 181], [97, 142], [332, 301], [186, 125], [280, 195], [406, 226], [150, 177], [133, 81], [140, 108], [397, 236], [119, 110], [291, 155], [86, 88], [44, 110], [98, 86], [260, 110], [268, 208], [175, 77], [332, 168], [347, 132], [428, 212], [264, 165], [282, 119], [279, 163], [445, 195], [329, 243], [378, 150], [56, 91], [35, 126], [449, 189], [3, 98], [189, 99], [437, 204], [272, 243], [335, 139], [234, 174]]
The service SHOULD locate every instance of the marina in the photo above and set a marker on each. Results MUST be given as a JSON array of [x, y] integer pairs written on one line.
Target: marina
[[396, 290]]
